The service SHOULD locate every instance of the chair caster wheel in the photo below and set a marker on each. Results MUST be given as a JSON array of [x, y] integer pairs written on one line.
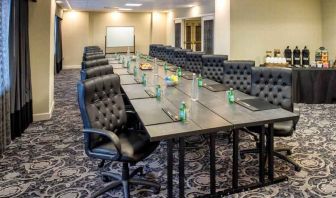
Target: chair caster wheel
[[289, 152], [106, 179], [297, 169]]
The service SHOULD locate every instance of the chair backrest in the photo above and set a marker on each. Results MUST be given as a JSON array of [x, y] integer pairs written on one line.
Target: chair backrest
[[96, 72], [160, 52], [91, 48], [94, 57], [169, 54], [153, 50], [193, 61], [180, 57], [90, 53], [274, 85], [237, 74], [213, 67], [101, 104], [94, 63]]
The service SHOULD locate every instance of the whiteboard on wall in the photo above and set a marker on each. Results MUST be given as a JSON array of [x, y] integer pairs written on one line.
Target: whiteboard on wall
[[119, 36]]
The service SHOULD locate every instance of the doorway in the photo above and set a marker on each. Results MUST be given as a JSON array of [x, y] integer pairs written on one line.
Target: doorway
[[193, 34]]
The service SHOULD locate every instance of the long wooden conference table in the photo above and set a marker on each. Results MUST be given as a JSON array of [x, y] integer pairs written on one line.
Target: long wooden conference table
[[207, 116]]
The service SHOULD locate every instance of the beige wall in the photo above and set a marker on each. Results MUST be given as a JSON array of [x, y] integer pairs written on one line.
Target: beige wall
[[41, 38], [75, 35], [260, 25], [159, 28], [329, 26], [222, 33], [89, 28]]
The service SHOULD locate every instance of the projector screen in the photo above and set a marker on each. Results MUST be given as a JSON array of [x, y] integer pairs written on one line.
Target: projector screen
[[119, 37]]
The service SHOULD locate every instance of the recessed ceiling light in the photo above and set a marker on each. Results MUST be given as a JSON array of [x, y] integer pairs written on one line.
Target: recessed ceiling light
[[133, 4], [125, 9], [59, 2]]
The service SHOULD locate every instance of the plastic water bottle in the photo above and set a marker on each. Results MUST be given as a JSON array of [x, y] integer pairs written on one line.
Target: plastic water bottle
[[194, 88], [158, 92], [165, 67], [200, 81], [128, 65], [183, 112], [179, 72], [230, 96], [128, 53], [135, 71], [144, 79]]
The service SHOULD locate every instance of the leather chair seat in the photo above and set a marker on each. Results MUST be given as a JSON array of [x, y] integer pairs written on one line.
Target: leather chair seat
[[281, 129], [135, 146]]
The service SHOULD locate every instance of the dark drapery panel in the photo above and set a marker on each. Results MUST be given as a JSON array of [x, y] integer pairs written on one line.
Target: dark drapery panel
[[58, 45], [209, 36], [19, 60], [5, 129], [178, 35]]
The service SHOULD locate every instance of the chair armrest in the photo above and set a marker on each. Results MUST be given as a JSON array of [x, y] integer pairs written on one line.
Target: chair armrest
[[108, 134]]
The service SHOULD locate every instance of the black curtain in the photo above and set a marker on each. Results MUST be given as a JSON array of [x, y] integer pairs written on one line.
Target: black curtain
[[208, 36], [19, 61], [58, 45], [178, 35]]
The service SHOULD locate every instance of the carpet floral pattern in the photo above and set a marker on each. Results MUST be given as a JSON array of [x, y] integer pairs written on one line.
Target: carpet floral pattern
[[49, 160]]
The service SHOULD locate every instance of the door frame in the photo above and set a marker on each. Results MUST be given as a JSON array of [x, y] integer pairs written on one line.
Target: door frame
[[204, 17]]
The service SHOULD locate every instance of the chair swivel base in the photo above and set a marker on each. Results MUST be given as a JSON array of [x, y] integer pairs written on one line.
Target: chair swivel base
[[125, 180]]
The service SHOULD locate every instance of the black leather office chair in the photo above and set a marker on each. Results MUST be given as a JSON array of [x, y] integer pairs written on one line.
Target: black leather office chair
[[180, 57], [96, 72], [106, 135], [237, 74], [193, 62], [90, 53], [169, 54], [153, 50], [94, 63], [160, 52], [213, 67], [94, 57], [275, 86], [87, 48]]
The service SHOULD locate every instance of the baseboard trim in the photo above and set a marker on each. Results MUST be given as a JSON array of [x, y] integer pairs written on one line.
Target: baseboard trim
[[71, 66], [44, 116]]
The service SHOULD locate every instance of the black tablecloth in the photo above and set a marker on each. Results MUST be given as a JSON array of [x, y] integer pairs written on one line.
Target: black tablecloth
[[314, 85]]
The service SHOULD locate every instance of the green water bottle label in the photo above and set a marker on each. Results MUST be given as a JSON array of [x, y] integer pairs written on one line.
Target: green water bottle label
[[165, 66], [183, 112]]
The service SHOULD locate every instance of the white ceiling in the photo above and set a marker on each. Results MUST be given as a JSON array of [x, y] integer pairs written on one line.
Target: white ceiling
[[148, 5]]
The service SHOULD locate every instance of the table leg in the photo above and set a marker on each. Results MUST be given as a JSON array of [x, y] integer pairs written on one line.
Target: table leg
[[212, 163], [181, 167], [262, 156], [170, 168], [270, 152], [235, 174]]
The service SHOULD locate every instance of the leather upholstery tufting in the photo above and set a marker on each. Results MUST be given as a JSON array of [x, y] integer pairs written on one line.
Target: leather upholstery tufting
[[104, 117], [273, 85], [194, 62], [169, 54], [213, 67], [94, 63], [160, 52], [153, 50], [180, 57], [96, 72], [94, 57], [237, 74]]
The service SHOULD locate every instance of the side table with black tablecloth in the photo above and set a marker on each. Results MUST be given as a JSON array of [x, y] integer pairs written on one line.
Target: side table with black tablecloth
[[314, 85]]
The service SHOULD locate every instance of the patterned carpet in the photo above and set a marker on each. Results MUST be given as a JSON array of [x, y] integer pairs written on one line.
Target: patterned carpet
[[49, 160]]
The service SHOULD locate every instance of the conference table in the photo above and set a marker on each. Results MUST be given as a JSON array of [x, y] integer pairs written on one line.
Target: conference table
[[207, 116]]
